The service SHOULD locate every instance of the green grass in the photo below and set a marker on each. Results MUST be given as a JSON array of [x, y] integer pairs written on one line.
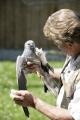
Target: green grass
[[8, 109]]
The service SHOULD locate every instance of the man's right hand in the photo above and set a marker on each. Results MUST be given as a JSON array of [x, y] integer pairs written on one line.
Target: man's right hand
[[22, 97]]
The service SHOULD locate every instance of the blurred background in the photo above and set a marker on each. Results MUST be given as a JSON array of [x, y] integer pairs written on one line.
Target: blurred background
[[21, 20]]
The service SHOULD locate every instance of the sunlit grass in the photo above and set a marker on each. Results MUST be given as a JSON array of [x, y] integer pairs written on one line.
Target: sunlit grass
[[8, 109]]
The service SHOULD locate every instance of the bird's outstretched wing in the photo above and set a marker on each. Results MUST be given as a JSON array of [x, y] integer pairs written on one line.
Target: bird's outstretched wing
[[21, 80], [52, 85]]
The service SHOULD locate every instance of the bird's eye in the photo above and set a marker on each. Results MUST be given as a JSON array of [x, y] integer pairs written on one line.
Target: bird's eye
[[28, 44]]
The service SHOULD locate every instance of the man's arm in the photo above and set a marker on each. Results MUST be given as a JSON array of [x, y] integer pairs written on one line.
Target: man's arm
[[52, 112], [25, 98], [56, 73]]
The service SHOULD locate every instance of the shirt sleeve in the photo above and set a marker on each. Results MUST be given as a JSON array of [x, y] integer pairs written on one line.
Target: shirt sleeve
[[74, 105]]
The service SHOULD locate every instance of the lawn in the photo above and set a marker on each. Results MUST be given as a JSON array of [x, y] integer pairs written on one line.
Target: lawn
[[8, 109]]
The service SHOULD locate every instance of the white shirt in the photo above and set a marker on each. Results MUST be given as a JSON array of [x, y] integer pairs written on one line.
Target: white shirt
[[74, 104]]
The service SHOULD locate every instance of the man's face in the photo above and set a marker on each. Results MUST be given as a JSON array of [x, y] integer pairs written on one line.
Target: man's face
[[72, 49]]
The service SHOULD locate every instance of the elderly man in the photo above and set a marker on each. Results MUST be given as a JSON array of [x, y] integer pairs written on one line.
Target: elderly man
[[63, 27]]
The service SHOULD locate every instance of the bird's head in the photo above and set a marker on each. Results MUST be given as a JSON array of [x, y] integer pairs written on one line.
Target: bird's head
[[29, 44]]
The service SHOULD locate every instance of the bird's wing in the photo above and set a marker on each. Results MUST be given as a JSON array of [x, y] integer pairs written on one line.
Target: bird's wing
[[52, 85], [21, 80]]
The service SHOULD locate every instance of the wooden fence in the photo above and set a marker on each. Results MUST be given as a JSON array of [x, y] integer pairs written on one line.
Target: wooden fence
[[21, 20]]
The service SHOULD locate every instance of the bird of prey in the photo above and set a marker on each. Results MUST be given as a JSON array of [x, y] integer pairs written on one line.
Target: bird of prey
[[36, 56], [21, 66]]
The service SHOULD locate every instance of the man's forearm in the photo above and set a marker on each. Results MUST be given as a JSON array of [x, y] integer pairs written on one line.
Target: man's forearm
[[53, 113], [55, 74]]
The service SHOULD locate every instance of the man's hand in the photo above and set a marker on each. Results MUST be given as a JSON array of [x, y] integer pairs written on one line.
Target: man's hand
[[32, 66], [35, 68], [23, 98]]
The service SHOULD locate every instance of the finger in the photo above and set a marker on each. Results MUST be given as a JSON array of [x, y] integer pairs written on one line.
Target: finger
[[32, 63], [16, 97], [19, 102], [15, 92], [29, 63], [20, 92], [31, 66]]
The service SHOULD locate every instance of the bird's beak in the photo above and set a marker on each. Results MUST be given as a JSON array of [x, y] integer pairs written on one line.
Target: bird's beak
[[31, 46]]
